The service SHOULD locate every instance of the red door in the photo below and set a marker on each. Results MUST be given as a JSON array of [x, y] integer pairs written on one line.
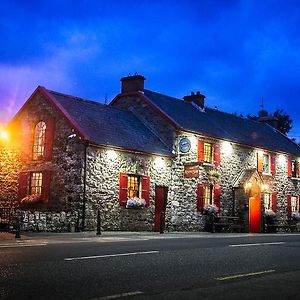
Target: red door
[[254, 214], [160, 207]]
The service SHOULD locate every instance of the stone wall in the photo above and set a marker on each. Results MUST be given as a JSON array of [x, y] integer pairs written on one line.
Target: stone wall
[[234, 159], [9, 171], [103, 169], [66, 166]]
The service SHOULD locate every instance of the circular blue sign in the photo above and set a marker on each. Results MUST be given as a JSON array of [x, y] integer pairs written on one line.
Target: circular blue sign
[[184, 145]]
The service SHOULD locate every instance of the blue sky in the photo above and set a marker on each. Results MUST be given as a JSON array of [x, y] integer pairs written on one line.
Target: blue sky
[[234, 52]]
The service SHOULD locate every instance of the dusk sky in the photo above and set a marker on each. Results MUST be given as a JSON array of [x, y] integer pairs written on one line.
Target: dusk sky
[[234, 52]]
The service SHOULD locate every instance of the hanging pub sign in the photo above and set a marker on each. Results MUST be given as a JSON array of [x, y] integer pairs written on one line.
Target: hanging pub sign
[[184, 145], [191, 171]]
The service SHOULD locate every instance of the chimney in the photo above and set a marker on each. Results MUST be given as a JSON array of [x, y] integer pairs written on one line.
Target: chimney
[[132, 83], [264, 117], [272, 121], [197, 98]]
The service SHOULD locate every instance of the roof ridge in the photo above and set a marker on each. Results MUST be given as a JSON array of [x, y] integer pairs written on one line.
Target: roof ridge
[[208, 107], [76, 98]]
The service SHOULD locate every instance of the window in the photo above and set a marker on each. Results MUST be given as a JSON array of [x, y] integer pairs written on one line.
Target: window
[[267, 201], [36, 179], [133, 186], [294, 204], [34, 183], [208, 195], [266, 163], [39, 141], [208, 153], [295, 169], [208, 192]]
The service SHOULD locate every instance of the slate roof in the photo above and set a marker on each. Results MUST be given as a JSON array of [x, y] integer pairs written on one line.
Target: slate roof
[[215, 123], [105, 125]]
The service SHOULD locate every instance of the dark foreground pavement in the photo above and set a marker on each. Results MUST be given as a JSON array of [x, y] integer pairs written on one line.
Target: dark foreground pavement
[[150, 266]]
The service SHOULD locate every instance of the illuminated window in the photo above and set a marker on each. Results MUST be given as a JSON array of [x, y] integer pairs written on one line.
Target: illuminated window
[[208, 199], [208, 153], [266, 163], [294, 204], [267, 201], [133, 186], [295, 166], [39, 140], [36, 179]]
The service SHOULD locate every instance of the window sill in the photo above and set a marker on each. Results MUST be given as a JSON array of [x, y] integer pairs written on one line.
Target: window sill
[[208, 164]]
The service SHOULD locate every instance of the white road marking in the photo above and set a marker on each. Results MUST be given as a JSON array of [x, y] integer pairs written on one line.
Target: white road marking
[[22, 245], [244, 275], [122, 295], [110, 255], [257, 244]]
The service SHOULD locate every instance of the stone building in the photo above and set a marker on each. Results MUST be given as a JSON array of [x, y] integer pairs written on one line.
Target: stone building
[[171, 157]]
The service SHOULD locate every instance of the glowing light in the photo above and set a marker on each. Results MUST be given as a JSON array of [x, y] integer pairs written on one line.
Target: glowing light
[[248, 186], [194, 142], [264, 187], [227, 148], [159, 163], [4, 134], [111, 155], [281, 160]]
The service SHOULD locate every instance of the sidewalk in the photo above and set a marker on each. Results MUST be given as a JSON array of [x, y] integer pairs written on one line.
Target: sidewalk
[[111, 236], [6, 237]]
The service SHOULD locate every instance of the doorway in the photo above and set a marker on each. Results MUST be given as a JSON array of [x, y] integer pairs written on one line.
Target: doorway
[[254, 214], [161, 193]]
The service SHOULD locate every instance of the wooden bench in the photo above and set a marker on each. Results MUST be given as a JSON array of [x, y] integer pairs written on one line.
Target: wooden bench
[[280, 224]]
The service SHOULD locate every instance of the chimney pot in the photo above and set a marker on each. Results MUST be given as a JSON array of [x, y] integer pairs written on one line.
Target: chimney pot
[[197, 98], [132, 83]]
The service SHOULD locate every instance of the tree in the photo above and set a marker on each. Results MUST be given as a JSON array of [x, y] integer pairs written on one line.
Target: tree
[[284, 121]]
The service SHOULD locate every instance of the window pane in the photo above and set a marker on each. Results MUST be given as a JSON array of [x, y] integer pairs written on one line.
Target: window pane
[[39, 140], [133, 186], [208, 195], [208, 152], [267, 201], [294, 204], [36, 183], [266, 163]]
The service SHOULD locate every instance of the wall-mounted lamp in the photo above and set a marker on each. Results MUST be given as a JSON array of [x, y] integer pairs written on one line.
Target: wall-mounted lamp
[[227, 148]]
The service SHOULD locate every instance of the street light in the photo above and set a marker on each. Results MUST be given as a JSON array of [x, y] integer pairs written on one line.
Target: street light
[[4, 135]]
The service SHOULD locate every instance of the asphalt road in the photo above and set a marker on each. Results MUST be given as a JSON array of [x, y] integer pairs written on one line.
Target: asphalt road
[[154, 267]]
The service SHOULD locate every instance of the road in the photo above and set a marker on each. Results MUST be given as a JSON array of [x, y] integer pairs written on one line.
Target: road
[[153, 267]]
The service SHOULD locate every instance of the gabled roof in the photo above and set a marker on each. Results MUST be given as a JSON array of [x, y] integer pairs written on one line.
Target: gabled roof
[[218, 124], [105, 125], [245, 177]]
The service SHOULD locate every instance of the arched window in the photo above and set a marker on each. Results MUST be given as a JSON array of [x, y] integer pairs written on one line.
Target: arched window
[[39, 140]]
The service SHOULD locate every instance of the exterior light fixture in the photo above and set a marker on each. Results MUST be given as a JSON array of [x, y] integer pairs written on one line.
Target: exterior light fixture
[[227, 148], [159, 163], [281, 160], [193, 141], [111, 155], [4, 135]]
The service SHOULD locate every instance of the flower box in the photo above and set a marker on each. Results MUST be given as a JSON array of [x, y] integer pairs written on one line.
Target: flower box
[[135, 203]]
